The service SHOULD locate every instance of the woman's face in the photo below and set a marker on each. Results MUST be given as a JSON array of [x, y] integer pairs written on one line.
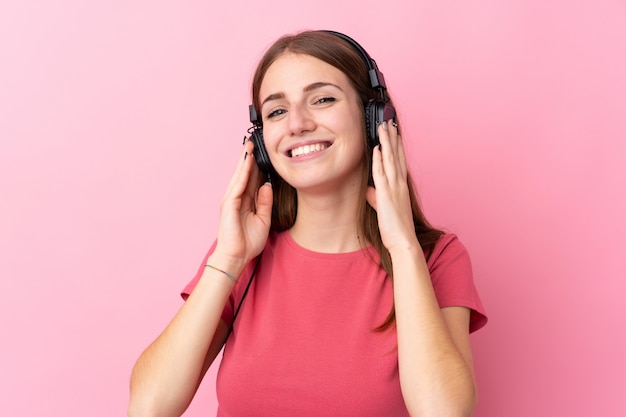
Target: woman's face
[[312, 124]]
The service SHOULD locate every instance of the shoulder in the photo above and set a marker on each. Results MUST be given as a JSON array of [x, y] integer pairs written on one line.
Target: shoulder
[[453, 279], [447, 251], [448, 241]]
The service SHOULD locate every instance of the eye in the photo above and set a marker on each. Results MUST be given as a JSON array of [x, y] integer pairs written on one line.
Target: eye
[[325, 100], [275, 113]]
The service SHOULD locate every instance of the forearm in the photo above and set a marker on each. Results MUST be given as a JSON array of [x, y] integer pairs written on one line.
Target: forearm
[[435, 378], [166, 375]]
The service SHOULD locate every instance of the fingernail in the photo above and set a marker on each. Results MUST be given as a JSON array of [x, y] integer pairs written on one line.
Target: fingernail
[[385, 125], [244, 140], [245, 156]]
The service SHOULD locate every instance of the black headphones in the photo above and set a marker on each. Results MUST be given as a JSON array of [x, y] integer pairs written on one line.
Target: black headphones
[[376, 111]]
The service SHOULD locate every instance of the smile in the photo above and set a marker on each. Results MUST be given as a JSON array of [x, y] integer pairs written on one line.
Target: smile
[[308, 149]]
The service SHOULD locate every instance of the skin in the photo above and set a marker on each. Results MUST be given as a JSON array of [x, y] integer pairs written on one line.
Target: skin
[[312, 103], [434, 354], [306, 101]]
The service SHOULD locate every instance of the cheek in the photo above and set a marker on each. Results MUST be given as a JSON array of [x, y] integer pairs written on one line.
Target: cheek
[[356, 130], [270, 137], [347, 124], [356, 121]]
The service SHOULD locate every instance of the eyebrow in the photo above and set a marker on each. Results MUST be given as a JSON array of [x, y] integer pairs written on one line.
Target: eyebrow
[[308, 88]]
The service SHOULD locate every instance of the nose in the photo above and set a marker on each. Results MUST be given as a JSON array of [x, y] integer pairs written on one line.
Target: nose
[[300, 120]]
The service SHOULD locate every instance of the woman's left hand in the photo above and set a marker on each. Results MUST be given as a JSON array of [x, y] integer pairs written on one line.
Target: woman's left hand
[[390, 197]]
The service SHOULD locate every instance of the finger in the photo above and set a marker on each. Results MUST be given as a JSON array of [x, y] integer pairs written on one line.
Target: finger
[[378, 172], [241, 174], [255, 173], [265, 198], [402, 158], [388, 152], [396, 141], [239, 179]]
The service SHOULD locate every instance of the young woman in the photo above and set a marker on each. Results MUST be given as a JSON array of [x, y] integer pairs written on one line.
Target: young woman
[[351, 304]]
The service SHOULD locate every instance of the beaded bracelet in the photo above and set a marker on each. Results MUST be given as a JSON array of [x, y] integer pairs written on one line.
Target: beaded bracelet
[[230, 277]]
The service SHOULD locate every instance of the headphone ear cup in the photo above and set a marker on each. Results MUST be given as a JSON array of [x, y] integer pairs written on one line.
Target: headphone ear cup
[[371, 125], [376, 112], [260, 152]]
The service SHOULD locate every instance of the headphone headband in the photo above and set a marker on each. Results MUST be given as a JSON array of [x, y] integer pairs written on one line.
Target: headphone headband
[[376, 111], [377, 80]]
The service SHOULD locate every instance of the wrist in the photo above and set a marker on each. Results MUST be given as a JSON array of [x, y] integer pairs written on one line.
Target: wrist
[[225, 273], [231, 267], [410, 248]]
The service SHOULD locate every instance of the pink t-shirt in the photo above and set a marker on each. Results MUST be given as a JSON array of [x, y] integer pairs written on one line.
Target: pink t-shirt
[[303, 343]]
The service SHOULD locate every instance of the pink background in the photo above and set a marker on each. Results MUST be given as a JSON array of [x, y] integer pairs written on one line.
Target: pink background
[[120, 123]]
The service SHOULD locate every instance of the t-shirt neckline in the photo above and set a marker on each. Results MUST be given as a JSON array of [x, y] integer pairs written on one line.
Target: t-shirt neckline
[[358, 253]]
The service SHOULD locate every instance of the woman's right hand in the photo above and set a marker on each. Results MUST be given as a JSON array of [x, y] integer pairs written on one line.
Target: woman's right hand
[[245, 212], [166, 375]]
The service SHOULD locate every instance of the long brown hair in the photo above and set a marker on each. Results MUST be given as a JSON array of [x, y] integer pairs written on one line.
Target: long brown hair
[[340, 54]]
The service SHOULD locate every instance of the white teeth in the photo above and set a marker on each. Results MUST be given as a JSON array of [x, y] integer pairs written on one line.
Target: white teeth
[[307, 149]]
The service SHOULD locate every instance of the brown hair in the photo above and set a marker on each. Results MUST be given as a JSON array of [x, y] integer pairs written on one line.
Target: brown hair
[[340, 54]]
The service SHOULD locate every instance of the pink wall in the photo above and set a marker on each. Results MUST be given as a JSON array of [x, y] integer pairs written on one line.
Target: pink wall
[[120, 122]]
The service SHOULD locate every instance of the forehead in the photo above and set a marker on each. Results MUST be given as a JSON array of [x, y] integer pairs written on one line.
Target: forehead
[[293, 72]]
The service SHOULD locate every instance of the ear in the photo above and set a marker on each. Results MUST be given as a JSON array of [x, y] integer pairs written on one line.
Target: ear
[[370, 196]]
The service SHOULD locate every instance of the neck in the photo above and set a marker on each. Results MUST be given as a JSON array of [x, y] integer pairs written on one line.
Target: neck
[[328, 223]]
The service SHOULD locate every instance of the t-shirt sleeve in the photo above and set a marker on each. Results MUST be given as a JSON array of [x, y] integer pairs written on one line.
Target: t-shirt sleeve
[[192, 284], [453, 281]]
